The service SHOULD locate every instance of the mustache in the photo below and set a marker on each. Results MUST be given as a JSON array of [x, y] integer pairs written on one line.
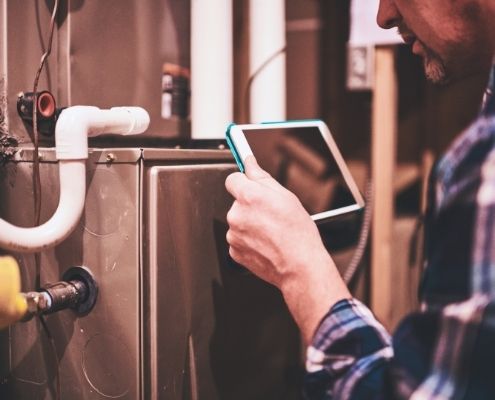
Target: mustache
[[406, 33]]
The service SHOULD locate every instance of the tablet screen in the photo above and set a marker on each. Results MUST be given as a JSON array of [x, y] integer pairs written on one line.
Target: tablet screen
[[299, 158]]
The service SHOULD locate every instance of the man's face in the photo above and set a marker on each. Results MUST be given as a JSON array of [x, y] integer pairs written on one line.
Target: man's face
[[449, 35]]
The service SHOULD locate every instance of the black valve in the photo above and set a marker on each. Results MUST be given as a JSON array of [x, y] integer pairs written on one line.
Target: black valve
[[83, 280], [47, 111], [78, 291]]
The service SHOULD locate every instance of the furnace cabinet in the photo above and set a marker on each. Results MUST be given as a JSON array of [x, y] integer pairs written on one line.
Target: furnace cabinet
[[175, 317]]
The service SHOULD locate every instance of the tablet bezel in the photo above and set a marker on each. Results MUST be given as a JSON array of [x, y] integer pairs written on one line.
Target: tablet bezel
[[241, 149]]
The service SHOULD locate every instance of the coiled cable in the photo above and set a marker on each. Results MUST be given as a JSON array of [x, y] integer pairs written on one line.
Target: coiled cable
[[353, 267]]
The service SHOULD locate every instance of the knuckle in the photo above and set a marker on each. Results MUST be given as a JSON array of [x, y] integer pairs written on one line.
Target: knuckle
[[228, 180], [231, 182], [234, 254], [290, 196], [229, 236], [235, 182], [232, 216], [294, 198]]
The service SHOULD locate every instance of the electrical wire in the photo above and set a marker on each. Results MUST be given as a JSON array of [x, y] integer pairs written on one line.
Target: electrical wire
[[247, 92], [53, 348], [36, 170], [37, 183]]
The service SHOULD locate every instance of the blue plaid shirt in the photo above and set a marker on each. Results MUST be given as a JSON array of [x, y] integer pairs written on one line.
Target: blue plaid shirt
[[446, 351]]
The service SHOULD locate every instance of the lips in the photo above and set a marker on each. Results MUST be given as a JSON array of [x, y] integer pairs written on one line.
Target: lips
[[408, 39], [412, 40], [418, 48]]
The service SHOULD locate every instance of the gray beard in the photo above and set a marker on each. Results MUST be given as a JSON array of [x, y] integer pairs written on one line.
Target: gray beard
[[434, 67]]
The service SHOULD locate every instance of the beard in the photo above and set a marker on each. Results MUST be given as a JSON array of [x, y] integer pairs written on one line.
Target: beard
[[433, 65]]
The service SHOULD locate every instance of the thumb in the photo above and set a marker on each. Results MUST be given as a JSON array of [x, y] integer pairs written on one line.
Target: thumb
[[253, 170]]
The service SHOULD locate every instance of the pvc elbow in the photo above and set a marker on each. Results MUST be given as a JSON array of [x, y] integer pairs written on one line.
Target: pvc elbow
[[61, 224], [76, 124], [71, 132]]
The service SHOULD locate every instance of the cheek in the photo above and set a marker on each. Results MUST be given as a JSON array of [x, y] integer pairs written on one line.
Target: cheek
[[431, 21]]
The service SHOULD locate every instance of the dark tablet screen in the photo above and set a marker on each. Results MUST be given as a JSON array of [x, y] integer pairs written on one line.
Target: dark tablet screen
[[300, 159]]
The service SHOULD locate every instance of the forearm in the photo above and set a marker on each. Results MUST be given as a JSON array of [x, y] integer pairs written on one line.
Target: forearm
[[312, 291]]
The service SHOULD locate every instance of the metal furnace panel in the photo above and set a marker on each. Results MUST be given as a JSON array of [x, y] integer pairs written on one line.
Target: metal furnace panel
[[213, 331], [99, 354]]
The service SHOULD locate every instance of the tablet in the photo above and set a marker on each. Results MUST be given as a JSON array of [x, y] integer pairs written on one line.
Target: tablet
[[303, 157]]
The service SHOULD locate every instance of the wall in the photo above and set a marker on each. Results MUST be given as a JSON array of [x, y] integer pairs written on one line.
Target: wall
[[103, 55]]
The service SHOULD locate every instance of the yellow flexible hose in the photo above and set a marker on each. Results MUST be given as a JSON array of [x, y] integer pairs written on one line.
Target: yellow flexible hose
[[13, 305]]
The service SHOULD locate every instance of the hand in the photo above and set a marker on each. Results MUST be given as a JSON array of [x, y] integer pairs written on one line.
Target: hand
[[273, 236]]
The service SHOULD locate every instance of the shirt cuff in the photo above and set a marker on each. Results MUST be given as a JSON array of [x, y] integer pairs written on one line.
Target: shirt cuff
[[345, 335]]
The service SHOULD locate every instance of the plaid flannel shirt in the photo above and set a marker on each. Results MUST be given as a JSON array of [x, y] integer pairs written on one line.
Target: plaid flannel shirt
[[447, 350]]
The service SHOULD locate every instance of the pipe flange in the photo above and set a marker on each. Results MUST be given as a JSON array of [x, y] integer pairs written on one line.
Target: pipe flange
[[84, 275]]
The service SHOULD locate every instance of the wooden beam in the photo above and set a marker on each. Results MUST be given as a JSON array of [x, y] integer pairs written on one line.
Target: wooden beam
[[384, 133]]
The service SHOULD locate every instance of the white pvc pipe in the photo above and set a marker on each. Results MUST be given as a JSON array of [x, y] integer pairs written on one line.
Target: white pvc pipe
[[267, 38], [77, 123], [211, 68], [3, 44], [74, 126], [61, 224]]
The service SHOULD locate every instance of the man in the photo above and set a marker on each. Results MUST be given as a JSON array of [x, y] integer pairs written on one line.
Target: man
[[447, 350]]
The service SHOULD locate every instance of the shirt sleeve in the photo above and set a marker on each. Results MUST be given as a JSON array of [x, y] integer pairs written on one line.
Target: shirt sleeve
[[349, 344], [437, 354]]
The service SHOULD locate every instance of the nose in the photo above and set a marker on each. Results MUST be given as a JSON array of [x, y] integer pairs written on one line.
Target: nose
[[388, 15]]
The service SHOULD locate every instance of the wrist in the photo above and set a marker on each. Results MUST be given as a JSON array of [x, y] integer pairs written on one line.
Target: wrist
[[311, 291]]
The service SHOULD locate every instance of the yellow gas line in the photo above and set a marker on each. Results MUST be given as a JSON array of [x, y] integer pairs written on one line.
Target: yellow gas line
[[13, 305]]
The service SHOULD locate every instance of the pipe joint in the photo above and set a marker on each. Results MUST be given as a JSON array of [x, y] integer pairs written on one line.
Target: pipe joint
[[74, 126]]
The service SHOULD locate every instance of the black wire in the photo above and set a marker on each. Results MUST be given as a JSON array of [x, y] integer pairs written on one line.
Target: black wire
[[37, 184], [247, 92], [51, 340], [36, 171]]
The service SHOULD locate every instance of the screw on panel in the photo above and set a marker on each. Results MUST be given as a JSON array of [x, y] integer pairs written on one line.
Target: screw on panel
[[110, 157]]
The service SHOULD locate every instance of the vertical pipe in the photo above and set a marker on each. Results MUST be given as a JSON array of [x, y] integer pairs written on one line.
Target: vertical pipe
[[64, 58], [211, 67], [3, 37], [3, 65], [267, 39]]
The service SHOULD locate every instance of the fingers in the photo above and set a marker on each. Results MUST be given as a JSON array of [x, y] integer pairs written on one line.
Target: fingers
[[243, 186], [234, 250], [235, 254], [233, 217], [253, 170], [243, 189], [235, 184], [255, 173]]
